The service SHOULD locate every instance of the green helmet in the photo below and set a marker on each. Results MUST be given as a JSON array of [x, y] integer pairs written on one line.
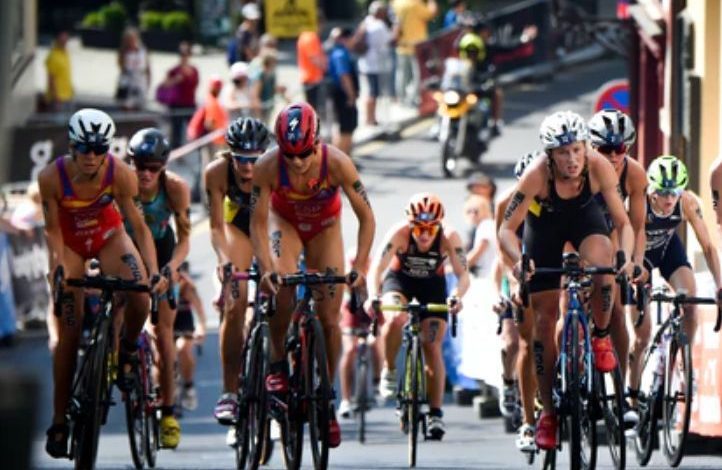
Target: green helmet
[[468, 42], [667, 173]]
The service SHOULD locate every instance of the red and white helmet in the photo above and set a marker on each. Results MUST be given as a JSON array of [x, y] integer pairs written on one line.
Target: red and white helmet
[[425, 208], [297, 129]]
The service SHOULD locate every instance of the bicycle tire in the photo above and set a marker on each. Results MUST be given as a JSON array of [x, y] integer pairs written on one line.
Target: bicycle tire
[[257, 402], [610, 393], [361, 395], [135, 424], [648, 406], [151, 424], [241, 427], [96, 387], [412, 375], [268, 444], [678, 349], [318, 389], [292, 423], [580, 420], [549, 462]]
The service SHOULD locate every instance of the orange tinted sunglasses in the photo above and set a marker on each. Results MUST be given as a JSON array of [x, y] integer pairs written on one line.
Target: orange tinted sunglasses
[[418, 228]]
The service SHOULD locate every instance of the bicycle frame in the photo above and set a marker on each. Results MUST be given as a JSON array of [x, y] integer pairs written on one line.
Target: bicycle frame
[[575, 309]]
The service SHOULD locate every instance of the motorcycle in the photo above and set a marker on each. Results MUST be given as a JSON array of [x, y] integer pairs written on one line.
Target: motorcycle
[[464, 115]]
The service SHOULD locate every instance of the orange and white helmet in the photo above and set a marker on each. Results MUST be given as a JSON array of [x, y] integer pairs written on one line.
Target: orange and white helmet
[[425, 208]]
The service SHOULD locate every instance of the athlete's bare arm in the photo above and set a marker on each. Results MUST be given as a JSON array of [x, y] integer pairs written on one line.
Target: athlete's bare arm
[[215, 182], [715, 183], [47, 181], [457, 259], [692, 212], [125, 190], [603, 171], [393, 242], [637, 182], [264, 175], [179, 196], [342, 167]]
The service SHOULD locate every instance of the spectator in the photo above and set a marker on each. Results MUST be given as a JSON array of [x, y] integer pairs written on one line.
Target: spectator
[[134, 67], [412, 20], [344, 87], [263, 85], [236, 98], [244, 46], [375, 64], [211, 116], [483, 185], [482, 255], [59, 95], [181, 83], [312, 63], [457, 10]]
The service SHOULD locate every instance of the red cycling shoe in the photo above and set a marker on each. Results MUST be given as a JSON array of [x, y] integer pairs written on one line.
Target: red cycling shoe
[[604, 358], [546, 431]]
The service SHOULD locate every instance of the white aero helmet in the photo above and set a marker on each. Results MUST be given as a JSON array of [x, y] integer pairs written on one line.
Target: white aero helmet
[[91, 126], [562, 128], [611, 127]]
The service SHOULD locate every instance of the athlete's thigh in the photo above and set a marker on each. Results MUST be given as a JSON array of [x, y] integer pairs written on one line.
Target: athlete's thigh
[[682, 279], [324, 253], [596, 249], [286, 245], [119, 257], [433, 330], [241, 254], [72, 308]]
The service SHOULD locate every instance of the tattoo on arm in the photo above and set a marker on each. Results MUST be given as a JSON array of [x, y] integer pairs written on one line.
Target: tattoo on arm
[[387, 249], [255, 195], [513, 205], [462, 257], [698, 211], [715, 198], [358, 186]]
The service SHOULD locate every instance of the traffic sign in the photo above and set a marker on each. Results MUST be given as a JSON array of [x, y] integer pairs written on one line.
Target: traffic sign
[[613, 94]]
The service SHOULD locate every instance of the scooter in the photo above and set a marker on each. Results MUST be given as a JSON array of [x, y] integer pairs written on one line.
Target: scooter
[[464, 115]]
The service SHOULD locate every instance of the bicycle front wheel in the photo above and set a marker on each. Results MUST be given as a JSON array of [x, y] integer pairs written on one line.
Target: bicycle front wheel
[[414, 390], [256, 398], [610, 393], [361, 395], [318, 391], [95, 399], [677, 400], [135, 423], [648, 404], [293, 418], [583, 435]]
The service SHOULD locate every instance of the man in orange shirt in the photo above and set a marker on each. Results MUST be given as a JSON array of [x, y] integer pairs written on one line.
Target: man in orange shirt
[[216, 116], [312, 62]]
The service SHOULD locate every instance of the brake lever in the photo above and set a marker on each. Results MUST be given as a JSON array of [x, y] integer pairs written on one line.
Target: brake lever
[[718, 323]]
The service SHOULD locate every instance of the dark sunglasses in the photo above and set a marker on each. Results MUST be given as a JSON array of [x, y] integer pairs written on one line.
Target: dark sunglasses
[[301, 156], [151, 168], [84, 148], [242, 159], [608, 149], [668, 192]]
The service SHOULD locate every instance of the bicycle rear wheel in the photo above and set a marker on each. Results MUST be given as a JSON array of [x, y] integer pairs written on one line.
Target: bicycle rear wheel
[[94, 398], [361, 393], [242, 425], [318, 391], [677, 401], [610, 393], [413, 391]]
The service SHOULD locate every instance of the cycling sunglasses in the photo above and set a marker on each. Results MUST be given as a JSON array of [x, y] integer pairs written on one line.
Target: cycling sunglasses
[[86, 148], [146, 167], [419, 228], [619, 149], [243, 159], [668, 192], [302, 156]]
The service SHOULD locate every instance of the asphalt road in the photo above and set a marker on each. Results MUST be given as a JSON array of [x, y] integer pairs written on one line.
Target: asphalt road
[[391, 172]]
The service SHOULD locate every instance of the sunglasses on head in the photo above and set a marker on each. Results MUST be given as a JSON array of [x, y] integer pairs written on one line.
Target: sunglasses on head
[[608, 149], [242, 159], [85, 148], [302, 156], [146, 167]]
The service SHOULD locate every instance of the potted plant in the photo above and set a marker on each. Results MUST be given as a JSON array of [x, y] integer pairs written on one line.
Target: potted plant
[[163, 31], [104, 27]]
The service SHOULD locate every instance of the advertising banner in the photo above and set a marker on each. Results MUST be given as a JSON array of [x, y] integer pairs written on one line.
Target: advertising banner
[[289, 18]]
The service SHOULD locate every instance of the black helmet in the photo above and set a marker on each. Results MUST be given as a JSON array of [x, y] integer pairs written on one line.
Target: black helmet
[[248, 134], [149, 145]]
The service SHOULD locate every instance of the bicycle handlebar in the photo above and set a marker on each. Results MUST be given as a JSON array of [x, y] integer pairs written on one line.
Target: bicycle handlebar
[[309, 279], [109, 283], [420, 308], [683, 299]]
